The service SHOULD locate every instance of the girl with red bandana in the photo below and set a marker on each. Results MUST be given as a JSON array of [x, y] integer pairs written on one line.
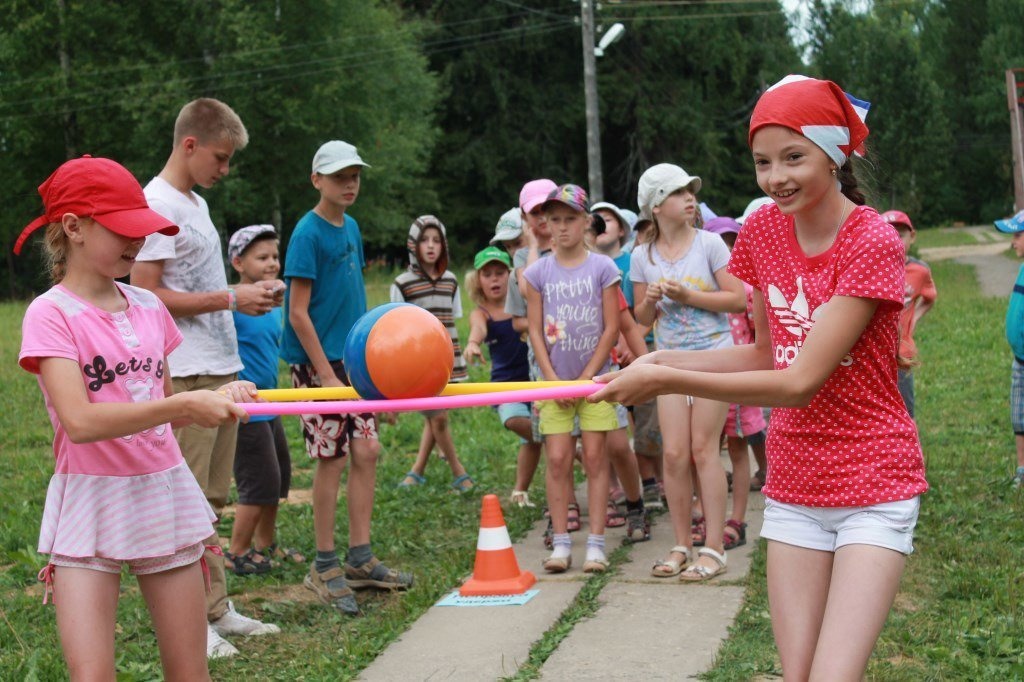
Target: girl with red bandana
[[845, 469]]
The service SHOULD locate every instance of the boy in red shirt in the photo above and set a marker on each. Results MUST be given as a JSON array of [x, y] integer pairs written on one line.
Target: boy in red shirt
[[918, 298]]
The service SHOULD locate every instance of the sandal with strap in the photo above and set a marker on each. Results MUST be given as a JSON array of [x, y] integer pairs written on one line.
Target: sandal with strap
[[735, 534], [614, 518], [668, 568], [521, 498], [246, 564], [573, 524], [462, 484], [595, 565], [341, 598], [375, 574], [411, 480], [698, 573], [698, 532], [638, 526], [283, 553]]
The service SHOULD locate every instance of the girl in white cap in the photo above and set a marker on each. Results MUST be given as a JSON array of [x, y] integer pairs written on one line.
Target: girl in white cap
[[845, 470], [682, 288]]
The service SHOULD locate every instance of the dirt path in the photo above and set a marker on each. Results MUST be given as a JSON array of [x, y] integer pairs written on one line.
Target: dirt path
[[995, 269]]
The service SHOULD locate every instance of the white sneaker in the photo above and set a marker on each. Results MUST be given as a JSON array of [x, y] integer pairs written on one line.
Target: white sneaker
[[234, 623], [217, 646]]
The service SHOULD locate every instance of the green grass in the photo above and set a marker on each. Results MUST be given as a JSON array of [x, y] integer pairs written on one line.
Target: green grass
[[933, 237], [959, 614]]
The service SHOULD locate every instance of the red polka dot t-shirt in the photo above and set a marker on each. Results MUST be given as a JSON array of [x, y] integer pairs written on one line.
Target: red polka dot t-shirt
[[855, 444]]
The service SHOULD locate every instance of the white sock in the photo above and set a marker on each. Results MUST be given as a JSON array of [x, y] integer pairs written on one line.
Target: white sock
[[561, 545], [595, 548]]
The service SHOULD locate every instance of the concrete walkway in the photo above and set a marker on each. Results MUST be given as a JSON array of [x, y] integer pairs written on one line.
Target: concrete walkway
[[645, 628]]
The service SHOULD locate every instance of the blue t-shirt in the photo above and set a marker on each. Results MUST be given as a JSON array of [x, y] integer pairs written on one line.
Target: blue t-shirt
[[1015, 317], [622, 263], [259, 338], [332, 257]]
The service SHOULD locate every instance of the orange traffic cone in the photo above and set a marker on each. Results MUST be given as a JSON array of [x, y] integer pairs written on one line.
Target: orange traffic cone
[[496, 570]]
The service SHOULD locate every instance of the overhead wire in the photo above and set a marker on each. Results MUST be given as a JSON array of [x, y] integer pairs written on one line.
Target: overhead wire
[[326, 64]]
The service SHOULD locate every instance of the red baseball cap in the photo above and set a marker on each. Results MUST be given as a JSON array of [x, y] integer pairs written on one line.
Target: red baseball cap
[[897, 218], [100, 189]]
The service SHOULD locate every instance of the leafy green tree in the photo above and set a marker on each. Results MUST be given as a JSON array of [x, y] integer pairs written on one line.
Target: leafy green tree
[[877, 56], [110, 79]]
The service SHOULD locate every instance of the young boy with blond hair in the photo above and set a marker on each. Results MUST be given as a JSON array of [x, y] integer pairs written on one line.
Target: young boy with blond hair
[[326, 295], [186, 272]]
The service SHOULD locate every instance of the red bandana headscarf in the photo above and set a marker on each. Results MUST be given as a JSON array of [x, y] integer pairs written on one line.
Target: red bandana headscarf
[[819, 110]]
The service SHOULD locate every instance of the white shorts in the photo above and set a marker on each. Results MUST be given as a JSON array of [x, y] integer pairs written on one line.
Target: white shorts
[[889, 525]]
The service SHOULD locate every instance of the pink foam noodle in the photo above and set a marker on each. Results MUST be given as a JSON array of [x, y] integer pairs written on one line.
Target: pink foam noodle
[[413, 404]]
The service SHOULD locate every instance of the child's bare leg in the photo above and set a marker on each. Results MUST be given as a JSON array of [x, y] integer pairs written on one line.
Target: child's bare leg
[[1020, 450], [326, 483], [247, 517], [707, 420], [674, 416], [266, 527], [798, 583], [740, 459], [526, 464], [560, 449], [595, 464], [624, 462], [86, 602], [864, 583], [521, 427], [426, 446], [178, 609], [443, 438], [362, 479]]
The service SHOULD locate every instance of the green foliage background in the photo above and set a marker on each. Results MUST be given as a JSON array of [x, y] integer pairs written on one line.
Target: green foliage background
[[456, 103]]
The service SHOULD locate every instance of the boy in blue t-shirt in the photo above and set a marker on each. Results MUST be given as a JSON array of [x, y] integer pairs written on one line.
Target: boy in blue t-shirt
[[1015, 337], [262, 464], [326, 295]]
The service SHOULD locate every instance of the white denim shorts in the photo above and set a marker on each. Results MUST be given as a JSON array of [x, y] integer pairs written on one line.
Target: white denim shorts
[[889, 524]]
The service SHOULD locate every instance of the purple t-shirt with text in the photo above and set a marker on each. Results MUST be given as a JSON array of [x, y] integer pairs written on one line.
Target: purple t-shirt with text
[[573, 312]]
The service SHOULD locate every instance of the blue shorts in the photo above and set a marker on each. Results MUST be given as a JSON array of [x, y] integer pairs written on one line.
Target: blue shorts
[[1017, 397], [508, 411]]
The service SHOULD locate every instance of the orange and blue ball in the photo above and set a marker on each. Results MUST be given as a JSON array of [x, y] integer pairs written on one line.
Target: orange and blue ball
[[398, 350]]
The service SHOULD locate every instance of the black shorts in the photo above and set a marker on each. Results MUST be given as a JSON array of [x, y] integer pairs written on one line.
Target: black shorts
[[263, 465]]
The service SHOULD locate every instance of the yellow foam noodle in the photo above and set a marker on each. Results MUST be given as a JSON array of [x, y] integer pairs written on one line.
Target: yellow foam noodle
[[349, 393]]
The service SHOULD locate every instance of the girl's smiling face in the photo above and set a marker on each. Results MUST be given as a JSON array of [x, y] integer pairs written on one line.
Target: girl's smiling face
[[791, 169]]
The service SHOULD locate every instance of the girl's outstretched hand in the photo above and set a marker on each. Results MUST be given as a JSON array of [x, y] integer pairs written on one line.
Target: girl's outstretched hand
[[635, 384], [472, 353], [209, 409], [241, 392]]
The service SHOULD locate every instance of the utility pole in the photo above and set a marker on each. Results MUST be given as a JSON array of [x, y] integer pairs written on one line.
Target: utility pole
[[1013, 97], [594, 176]]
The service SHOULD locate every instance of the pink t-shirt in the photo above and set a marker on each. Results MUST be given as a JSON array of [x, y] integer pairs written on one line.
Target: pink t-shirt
[[855, 444], [122, 360]]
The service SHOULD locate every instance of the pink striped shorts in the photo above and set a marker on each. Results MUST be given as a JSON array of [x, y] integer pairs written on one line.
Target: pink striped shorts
[[144, 566]]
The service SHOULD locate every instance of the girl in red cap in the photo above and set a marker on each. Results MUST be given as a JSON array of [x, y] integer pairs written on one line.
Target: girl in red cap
[[121, 492], [845, 469]]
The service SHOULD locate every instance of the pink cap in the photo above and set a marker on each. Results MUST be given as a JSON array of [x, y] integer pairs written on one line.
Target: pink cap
[[535, 193]]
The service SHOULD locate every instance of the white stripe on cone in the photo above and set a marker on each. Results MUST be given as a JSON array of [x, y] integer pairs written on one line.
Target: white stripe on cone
[[493, 538]]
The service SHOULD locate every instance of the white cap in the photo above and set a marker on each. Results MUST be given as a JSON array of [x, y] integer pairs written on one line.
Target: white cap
[[753, 206], [510, 226], [658, 182], [335, 155]]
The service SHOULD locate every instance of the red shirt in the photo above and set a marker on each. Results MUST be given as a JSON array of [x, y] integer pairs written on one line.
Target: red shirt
[[919, 288], [854, 444]]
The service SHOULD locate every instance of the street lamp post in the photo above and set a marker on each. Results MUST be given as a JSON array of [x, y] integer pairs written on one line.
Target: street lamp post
[[595, 177]]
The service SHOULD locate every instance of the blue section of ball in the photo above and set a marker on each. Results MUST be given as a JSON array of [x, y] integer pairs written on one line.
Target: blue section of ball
[[354, 354]]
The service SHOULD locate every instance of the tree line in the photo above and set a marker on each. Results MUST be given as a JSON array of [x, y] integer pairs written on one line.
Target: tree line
[[455, 103]]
